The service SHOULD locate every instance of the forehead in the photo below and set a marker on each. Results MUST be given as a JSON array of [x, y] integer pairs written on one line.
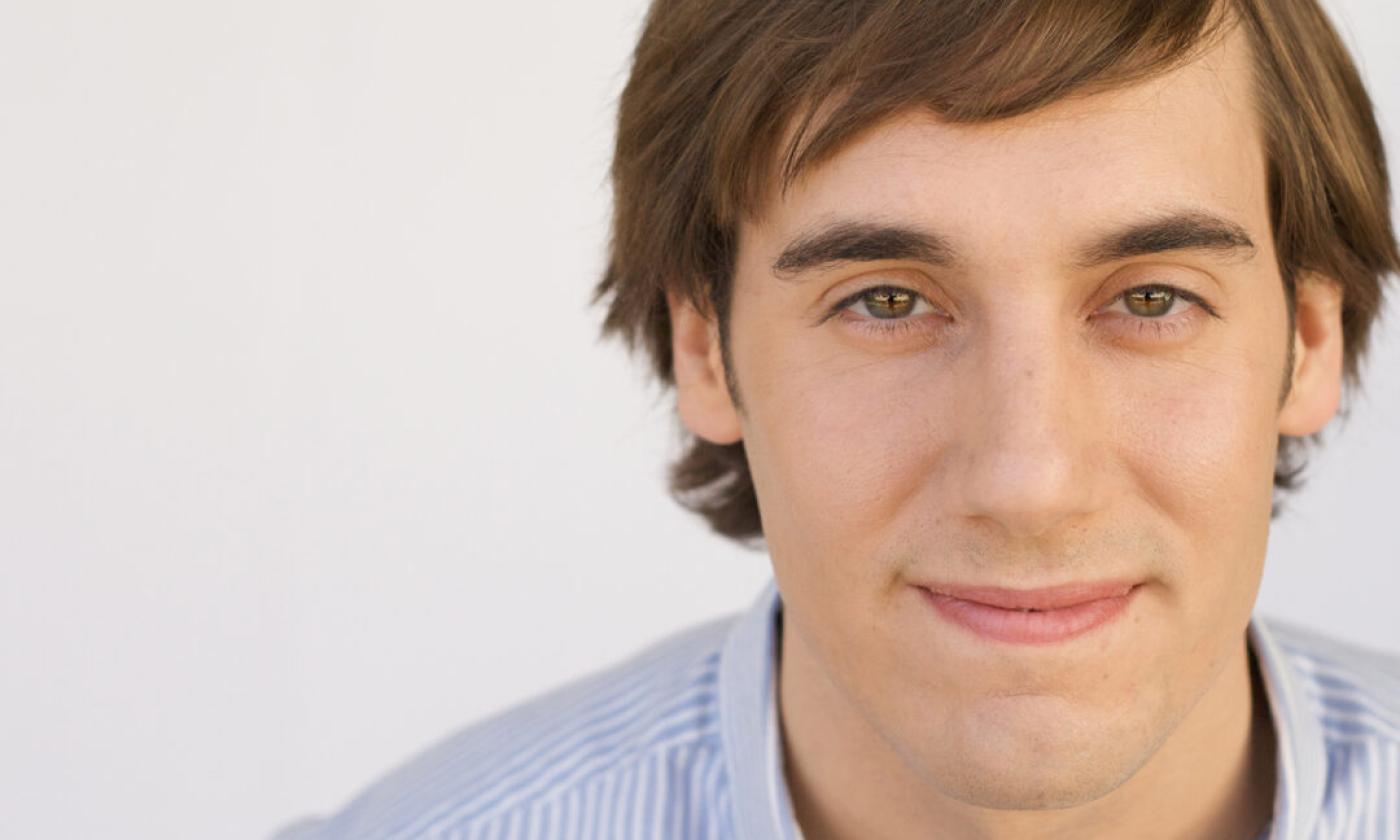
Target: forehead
[[1187, 138]]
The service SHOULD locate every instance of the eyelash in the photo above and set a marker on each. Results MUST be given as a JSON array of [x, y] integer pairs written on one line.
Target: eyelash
[[1161, 327]]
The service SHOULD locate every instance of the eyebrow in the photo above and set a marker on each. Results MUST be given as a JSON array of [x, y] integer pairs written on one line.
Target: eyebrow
[[859, 241], [1183, 231], [867, 241]]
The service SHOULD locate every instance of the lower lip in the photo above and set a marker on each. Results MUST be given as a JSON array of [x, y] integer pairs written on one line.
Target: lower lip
[[1029, 628]]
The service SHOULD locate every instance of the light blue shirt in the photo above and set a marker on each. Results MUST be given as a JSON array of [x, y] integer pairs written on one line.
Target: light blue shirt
[[681, 743]]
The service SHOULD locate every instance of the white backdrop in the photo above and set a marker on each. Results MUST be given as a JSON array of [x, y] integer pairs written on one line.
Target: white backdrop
[[308, 453]]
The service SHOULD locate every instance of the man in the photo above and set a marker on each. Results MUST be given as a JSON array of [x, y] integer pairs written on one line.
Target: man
[[1000, 323]]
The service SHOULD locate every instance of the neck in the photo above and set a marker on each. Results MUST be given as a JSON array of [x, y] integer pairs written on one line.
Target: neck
[[1212, 777]]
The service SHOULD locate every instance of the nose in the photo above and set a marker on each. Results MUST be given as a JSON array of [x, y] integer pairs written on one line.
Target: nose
[[1032, 436]]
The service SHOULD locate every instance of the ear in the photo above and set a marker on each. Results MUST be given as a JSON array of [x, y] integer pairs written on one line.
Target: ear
[[702, 393], [1316, 388]]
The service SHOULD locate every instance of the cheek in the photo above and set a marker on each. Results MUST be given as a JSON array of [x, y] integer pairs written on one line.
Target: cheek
[[1195, 437], [839, 442], [1204, 431], [1198, 442]]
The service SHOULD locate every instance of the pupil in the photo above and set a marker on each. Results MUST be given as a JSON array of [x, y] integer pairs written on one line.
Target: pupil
[[1150, 303], [888, 303]]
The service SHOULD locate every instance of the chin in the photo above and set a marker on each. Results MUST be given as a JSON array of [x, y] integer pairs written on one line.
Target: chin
[[1032, 753]]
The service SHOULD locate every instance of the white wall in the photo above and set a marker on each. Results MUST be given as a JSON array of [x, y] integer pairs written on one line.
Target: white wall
[[308, 455]]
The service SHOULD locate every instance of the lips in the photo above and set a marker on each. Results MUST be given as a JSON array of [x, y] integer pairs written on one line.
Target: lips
[[1049, 598], [1031, 616]]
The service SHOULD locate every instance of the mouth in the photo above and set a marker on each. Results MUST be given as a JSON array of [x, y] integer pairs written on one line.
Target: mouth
[[1031, 616]]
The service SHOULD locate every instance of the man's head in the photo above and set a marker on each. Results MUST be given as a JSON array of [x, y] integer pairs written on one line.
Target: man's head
[[729, 101], [1006, 294]]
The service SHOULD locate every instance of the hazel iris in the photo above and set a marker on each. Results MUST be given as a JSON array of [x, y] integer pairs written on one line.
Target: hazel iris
[[889, 303], [1150, 301]]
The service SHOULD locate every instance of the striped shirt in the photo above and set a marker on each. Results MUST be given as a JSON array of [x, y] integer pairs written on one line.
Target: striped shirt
[[681, 742]]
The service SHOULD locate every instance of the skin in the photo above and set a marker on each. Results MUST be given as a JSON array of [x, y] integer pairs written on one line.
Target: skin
[[1023, 428]]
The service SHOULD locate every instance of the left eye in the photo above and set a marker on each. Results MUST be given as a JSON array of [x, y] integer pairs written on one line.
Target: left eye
[[1152, 301]]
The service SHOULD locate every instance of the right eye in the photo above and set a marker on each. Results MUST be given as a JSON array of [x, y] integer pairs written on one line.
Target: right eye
[[886, 303]]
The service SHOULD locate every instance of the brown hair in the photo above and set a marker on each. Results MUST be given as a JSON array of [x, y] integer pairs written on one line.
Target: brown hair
[[717, 85]]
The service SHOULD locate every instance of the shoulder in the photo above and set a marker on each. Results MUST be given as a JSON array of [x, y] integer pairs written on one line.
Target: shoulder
[[1354, 689], [597, 757]]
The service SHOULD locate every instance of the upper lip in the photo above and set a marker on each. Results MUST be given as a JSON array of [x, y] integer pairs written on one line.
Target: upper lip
[[1047, 598]]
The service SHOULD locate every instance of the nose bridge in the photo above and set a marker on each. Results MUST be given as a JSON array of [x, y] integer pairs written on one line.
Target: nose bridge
[[1030, 426]]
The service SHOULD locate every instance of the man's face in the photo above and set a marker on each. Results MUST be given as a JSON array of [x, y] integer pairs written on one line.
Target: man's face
[[1037, 399]]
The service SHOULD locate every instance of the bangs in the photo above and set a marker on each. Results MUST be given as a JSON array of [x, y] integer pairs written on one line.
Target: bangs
[[831, 73]]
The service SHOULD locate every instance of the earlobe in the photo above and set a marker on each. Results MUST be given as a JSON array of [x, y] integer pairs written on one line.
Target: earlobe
[[702, 392], [1318, 350]]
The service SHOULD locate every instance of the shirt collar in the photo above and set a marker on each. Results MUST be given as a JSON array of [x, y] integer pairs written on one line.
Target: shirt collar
[[1301, 761], [754, 757], [748, 712]]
